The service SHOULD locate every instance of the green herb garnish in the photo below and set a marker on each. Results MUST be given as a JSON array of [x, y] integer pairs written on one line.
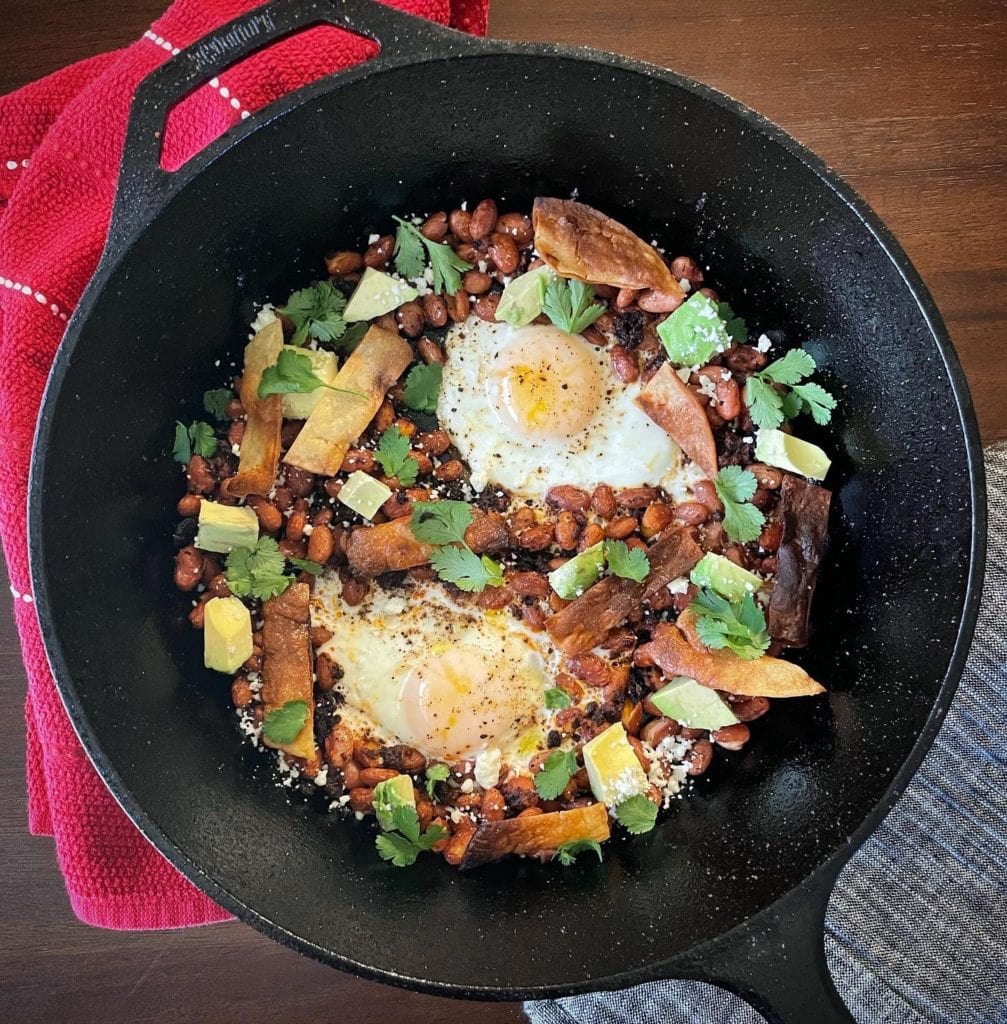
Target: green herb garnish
[[465, 569], [444, 261], [316, 312], [734, 325], [567, 853], [769, 407], [257, 572], [292, 375], [637, 815], [423, 386], [557, 699], [436, 773], [557, 771], [570, 305], [403, 842], [393, 454], [305, 565], [197, 439], [739, 626], [440, 522], [735, 486], [444, 523], [629, 563], [215, 402], [283, 724]]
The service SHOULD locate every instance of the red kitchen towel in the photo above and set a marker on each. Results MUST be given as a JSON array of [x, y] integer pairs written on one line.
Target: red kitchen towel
[[60, 145]]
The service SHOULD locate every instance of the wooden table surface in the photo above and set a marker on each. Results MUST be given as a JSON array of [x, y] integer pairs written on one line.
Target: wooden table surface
[[906, 99]]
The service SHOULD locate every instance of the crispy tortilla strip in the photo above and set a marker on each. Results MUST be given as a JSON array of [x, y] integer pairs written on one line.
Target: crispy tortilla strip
[[585, 622], [339, 419], [540, 833], [579, 241], [390, 547], [286, 665], [724, 670], [805, 510], [260, 446], [677, 410]]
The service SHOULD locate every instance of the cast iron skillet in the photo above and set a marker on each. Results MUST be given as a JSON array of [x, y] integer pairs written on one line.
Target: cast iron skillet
[[732, 888]]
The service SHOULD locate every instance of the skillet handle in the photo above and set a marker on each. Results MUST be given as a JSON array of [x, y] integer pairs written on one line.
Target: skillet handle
[[776, 962], [143, 184]]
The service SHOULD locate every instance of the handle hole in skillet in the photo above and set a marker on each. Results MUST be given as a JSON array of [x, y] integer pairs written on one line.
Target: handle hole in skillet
[[248, 85]]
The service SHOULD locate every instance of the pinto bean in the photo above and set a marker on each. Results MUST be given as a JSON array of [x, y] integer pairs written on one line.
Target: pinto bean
[[269, 516], [342, 263], [503, 251], [361, 799], [410, 319], [533, 617], [358, 458], [353, 590], [475, 282], [590, 668], [368, 755], [625, 298], [603, 501], [488, 532], [458, 306], [528, 584], [519, 793], [624, 364], [375, 776], [296, 522], [241, 692], [656, 301], [567, 530], [745, 359], [435, 227], [705, 492], [460, 223], [658, 730], [750, 708], [772, 535], [699, 757], [320, 635], [486, 307], [483, 220], [537, 538], [621, 528], [732, 737], [200, 476], [656, 518], [380, 252], [518, 226], [299, 481], [685, 268], [339, 746], [591, 535], [384, 417], [710, 294], [573, 499], [321, 544], [692, 513], [728, 399], [767, 477], [494, 807], [188, 505], [456, 846], [436, 442], [450, 470], [636, 497], [188, 567], [435, 310]]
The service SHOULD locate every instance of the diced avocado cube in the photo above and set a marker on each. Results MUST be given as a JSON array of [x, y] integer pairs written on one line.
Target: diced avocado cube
[[227, 634], [224, 527], [694, 332], [390, 794], [694, 705], [377, 293], [522, 300], [572, 578], [363, 494], [784, 451], [612, 767], [325, 366], [722, 575]]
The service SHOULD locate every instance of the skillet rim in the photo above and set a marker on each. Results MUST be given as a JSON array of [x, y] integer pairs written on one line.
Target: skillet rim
[[439, 48]]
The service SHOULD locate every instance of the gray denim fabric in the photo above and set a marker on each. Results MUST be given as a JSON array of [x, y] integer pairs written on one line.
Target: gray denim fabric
[[917, 924]]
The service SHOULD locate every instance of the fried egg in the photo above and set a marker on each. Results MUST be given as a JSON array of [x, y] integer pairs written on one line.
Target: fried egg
[[532, 407], [418, 668]]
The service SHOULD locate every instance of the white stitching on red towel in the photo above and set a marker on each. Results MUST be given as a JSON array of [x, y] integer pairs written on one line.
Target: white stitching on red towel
[[214, 83], [26, 289]]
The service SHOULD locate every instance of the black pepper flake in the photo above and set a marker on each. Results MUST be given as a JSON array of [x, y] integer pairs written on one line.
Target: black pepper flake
[[554, 739], [629, 328]]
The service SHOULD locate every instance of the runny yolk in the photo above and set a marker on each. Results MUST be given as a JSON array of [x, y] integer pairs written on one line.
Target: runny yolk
[[545, 384]]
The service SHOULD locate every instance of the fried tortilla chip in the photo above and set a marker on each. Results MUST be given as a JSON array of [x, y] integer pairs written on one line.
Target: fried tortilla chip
[[579, 241], [535, 834], [389, 547], [677, 410], [724, 670], [260, 445]]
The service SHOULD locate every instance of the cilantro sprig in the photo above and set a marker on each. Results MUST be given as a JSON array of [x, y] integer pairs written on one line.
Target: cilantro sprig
[[557, 699], [403, 842], [443, 523], [423, 387], [436, 773], [559, 768], [292, 374], [735, 325], [769, 406], [637, 815], [260, 571], [739, 626], [215, 402], [316, 312], [735, 486], [567, 853], [445, 263], [570, 305], [393, 454], [196, 439], [283, 724], [629, 563]]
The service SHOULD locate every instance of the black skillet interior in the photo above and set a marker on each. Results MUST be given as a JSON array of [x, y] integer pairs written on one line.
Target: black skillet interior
[[794, 257]]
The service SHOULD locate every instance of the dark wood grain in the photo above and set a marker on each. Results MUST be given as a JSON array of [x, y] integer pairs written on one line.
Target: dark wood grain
[[906, 99]]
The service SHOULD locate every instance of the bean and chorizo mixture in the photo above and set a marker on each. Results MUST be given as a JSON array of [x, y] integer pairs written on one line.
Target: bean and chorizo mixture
[[502, 529]]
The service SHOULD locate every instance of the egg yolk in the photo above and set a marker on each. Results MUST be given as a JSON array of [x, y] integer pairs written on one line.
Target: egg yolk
[[454, 703], [545, 384]]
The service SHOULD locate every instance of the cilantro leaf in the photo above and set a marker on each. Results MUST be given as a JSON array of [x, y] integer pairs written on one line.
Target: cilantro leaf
[[739, 626], [556, 699], [436, 773], [292, 374], [440, 522], [283, 724], [444, 261], [257, 572], [791, 406], [402, 852], [568, 304], [816, 400], [567, 853], [409, 253], [765, 403], [557, 771], [182, 449], [743, 522], [790, 369], [203, 440], [403, 842], [637, 815], [629, 563], [465, 569], [316, 312], [354, 335], [393, 454], [423, 385], [304, 565], [216, 401], [735, 325]]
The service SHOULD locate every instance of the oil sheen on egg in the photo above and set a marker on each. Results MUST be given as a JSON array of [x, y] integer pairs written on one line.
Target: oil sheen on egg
[[420, 669], [532, 407]]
